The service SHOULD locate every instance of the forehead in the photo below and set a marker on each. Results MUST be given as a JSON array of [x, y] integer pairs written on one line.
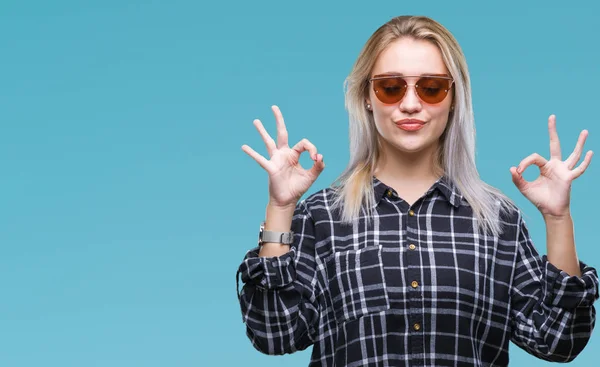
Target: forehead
[[408, 56]]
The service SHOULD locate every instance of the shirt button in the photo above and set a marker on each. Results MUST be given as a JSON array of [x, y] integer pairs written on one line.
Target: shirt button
[[389, 193], [417, 327], [412, 246], [414, 284], [411, 213]]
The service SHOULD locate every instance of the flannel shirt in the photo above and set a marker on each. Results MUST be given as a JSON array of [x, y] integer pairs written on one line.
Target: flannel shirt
[[418, 286]]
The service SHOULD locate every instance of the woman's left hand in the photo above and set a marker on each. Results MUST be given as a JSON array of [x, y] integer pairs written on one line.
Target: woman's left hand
[[551, 191]]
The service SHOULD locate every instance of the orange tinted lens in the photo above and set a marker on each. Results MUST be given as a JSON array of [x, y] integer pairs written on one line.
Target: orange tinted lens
[[389, 90], [433, 90]]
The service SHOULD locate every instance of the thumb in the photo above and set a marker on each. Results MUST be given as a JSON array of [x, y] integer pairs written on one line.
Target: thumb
[[517, 179], [318, 166]]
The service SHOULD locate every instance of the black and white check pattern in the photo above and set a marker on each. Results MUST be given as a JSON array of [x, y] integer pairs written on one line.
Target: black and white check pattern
[[418, 286]]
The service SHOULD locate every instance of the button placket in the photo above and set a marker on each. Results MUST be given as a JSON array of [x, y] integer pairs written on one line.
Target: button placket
[[413, 275]]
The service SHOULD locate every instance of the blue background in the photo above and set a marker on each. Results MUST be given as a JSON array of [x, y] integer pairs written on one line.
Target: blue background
[[126, 203]]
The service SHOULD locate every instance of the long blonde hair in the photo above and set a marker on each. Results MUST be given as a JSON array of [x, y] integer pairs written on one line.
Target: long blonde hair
[[354, 187]]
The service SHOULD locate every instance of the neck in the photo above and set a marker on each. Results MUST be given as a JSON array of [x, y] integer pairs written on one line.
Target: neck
[[399, 168]]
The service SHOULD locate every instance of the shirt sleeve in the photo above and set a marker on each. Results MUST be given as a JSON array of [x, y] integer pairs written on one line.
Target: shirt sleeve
[[280, 300], [552, 313]]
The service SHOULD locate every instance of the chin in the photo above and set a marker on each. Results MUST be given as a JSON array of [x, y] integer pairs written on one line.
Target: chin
[[411, 147], [408, 144], [413, 151]]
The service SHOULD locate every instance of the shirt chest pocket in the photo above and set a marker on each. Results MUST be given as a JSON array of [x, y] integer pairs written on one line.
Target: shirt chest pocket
[[357, 283]]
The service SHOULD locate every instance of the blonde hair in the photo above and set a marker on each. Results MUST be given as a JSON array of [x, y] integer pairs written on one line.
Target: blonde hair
[[354, 187]]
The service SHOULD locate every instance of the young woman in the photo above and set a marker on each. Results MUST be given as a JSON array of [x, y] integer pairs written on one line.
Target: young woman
[[410, 258]]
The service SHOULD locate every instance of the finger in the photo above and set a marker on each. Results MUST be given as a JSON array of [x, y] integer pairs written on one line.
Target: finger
[[534, 158], [303, 145], [554, 142], [282, 134], [517, 179], [574, 157], [264, 163], [583, 166], [318, 166], [269, 143]]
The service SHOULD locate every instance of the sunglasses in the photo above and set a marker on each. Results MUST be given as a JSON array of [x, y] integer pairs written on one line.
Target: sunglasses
[[431, 89]]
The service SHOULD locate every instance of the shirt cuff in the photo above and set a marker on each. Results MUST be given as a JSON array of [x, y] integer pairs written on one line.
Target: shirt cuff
[[570, 291], [268, 272]]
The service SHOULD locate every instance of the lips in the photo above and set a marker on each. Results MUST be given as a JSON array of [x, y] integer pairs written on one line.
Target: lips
[[410, 124], [410, 121]]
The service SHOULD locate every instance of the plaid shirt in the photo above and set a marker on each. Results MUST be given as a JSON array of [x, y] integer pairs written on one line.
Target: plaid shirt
[[418, 286]]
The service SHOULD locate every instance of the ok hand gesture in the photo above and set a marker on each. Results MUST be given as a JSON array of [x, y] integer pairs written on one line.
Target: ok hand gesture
[[288, 180], [550, 192]]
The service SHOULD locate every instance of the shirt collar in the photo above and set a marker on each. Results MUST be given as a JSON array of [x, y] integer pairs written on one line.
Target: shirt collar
[[444, 185]]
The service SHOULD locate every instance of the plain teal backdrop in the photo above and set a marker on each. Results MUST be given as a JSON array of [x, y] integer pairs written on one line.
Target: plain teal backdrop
[[126, 202]]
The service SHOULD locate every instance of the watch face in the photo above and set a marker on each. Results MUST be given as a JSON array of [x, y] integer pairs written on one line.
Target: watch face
[[260, 232]]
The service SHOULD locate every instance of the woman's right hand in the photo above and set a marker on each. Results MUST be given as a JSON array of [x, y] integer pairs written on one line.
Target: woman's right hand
[[288, 180]]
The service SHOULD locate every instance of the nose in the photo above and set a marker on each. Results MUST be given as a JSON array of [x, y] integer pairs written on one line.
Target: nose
[[411, 102]]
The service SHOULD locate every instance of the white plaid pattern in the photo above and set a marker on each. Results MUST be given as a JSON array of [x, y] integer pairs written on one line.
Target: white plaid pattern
[[413, 290]]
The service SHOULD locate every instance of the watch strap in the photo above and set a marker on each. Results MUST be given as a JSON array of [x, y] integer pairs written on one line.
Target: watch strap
[[287, 238]]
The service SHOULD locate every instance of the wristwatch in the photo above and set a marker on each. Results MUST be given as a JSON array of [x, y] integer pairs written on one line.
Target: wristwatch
[[285, 238]]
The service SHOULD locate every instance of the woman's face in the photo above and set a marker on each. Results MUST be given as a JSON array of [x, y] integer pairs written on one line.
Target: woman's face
[[410, 57]]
